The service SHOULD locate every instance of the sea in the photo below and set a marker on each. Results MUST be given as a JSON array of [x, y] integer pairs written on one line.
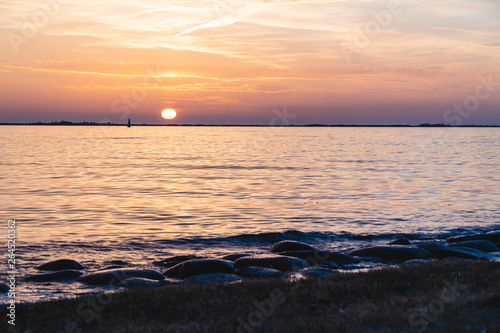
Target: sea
[[102, 193]]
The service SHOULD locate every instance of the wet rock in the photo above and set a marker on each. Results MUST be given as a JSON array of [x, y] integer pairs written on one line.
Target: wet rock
[[401, 241], [55, 276], [253, 272], [462, 252], [4, 288], [393, 253], [113, 276], [171, 262], [213, 278], [288, 245], [119, 262], [329, 264], [141, 282], [481, 245], [198, 267], [316, 257], [110, 267], [316, 271], [492, 237], [281, 263], [61, 264], [432, 247], [362, 237], [234, 257]]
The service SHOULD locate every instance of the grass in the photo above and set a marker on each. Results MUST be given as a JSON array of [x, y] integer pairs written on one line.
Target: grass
[[445, 296]]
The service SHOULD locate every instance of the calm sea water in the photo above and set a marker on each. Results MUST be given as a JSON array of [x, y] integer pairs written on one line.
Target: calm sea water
[[142, 193]]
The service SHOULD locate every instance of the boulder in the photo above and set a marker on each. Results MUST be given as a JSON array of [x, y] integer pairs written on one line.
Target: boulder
[[141, 282], [288, 245], [316, 257], [55, 276], [4, 288], [462, 252], [233, 257], [401, 241], [492, 237], [432, 247], [316, 271], [118, 262], [253, 272], [393, 253], [60, 265], [213, 278], [198, 267], [481, 245], [281, 263], [172, 261], [113, 276]]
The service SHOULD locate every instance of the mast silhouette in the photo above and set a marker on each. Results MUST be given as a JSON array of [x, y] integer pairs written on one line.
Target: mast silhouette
[[128, 125]]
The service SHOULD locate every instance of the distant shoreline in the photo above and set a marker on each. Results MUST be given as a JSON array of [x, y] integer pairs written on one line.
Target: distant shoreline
[[68, 123]]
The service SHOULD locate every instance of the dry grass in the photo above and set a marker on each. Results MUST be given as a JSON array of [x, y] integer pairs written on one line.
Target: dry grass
[[446, 296]]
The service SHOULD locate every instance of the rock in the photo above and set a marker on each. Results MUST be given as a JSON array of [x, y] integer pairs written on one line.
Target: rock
[[281, 263], [316, 257], [253, 272], [393, 253], [462, 252], [492, 237], [432, 247], [329, 264], [288, 245], [481, 245], [362, 237], [119, 262], [233, 257], [171, 262], [4, 288], [110, 267], [55, 276], [213, 278], [316, 271], [198, 267], [141, 282], [113, 276], [61, 264], [401, 241]]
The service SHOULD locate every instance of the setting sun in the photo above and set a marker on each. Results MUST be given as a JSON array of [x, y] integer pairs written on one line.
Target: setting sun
[[168, 114]]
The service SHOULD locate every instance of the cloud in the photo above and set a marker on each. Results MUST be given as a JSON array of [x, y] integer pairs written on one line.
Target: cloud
[[490, 44], [463, 30]]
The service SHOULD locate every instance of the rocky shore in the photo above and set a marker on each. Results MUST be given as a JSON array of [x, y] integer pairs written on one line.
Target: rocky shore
[[289, 265]]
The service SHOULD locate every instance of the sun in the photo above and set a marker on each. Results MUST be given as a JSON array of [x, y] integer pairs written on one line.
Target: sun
[[168, 114]]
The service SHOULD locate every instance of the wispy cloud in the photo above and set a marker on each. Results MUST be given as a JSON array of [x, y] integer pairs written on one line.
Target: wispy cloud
[[475, 32], [490, 44]]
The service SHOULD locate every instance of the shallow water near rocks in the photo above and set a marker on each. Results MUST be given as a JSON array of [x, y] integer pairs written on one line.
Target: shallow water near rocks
[[140, 194]]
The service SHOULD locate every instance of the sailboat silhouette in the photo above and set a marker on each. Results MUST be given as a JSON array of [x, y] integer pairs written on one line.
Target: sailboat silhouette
[[128, 125]]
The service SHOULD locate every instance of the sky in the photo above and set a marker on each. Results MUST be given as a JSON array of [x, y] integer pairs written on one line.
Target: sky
[[251, 62]]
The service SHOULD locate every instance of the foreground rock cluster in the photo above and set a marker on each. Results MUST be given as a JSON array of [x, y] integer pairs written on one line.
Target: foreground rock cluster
[[284, 258]]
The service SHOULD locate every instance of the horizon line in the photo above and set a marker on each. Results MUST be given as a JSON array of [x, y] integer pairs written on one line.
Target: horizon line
[[86, 123]]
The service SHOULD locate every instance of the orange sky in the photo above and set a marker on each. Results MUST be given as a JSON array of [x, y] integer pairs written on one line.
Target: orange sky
[[251, 62]]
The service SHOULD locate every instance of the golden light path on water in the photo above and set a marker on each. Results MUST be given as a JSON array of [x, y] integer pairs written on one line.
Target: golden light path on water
[[91, 183]]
